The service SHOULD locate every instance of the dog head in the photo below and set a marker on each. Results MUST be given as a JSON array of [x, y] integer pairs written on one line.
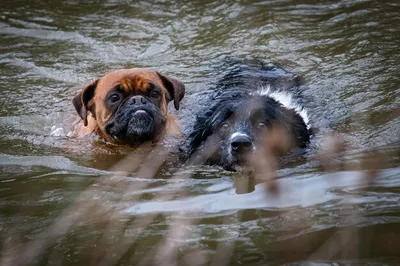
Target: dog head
[[129, 106], [241, 126]]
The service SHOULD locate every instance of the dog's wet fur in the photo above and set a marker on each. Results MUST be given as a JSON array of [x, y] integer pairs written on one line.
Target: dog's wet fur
[[249, 110], [137, 118], [129, 106]]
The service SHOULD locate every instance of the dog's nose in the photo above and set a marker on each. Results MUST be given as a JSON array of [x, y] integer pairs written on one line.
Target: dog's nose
[[241, 143], [138, 100]]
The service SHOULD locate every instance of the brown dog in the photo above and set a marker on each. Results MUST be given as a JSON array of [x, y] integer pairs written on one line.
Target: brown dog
[[129, 106]]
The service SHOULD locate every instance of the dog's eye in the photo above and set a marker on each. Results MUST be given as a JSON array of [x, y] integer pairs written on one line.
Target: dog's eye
[[114, 98], [261, 125], [225, 126], [155, 94]]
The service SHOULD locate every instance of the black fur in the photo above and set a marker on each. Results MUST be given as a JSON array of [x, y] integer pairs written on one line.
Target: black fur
[[132, 127], [236, 107]]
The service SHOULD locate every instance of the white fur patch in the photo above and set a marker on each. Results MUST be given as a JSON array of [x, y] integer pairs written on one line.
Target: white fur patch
[[237, 134], [286, 100]]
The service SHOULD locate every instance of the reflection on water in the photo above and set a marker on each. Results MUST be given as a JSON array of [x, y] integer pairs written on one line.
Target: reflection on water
[[347, 55], [294, 192]]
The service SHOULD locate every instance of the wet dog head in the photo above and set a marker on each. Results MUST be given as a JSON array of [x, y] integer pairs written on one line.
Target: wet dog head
[[241, 126], [129, 106]]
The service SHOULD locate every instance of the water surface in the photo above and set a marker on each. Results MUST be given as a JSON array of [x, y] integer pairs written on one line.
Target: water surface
[[347, 55]]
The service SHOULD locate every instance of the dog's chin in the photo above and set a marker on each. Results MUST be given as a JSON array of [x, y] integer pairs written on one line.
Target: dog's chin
[[239, 167], [238, 163], [140, 127]]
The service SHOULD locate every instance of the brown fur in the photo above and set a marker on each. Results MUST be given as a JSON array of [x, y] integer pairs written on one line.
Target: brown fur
[[94, 112]]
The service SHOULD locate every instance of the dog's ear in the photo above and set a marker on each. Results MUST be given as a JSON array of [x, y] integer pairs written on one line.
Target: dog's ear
[[81, 100], [175, 88]]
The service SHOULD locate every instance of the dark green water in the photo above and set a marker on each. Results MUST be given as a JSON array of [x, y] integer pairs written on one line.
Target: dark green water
[[347, 53]]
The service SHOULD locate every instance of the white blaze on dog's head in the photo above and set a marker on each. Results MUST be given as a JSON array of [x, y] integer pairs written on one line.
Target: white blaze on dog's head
[[238, 134], [286, 100]]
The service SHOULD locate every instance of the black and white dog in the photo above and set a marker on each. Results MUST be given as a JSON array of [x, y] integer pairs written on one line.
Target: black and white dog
[[251, 112]]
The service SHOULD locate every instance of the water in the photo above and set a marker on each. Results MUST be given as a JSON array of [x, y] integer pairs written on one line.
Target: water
[[347, 55]]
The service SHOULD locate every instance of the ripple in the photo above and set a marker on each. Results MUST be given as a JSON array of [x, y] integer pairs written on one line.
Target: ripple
[[294, 192]]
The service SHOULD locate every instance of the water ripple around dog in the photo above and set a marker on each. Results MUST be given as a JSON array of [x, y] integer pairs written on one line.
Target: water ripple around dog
[[294, 191]]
